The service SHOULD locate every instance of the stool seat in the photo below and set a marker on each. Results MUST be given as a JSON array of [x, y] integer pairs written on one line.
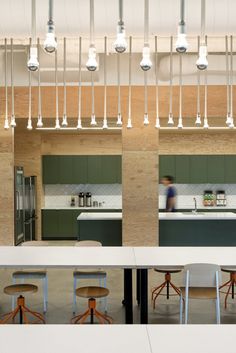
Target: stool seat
[[25, 274], [16, 289], [89, 274], [228, 269], [168, 270], [92, 292], [88, 243]]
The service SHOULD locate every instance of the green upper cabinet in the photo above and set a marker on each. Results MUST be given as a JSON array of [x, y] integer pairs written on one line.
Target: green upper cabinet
[[167, 166], [50, 169], [111, 171], [198, 170], [94, 170], [182, 169], [65, 170], [230, 169], [79, 173], [216, 169]]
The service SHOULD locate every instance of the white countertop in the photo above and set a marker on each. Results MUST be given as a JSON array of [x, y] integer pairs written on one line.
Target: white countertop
[[81, 208], [100, 216]]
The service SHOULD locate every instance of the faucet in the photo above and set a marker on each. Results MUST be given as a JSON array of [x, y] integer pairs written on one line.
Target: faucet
[[195, 205]]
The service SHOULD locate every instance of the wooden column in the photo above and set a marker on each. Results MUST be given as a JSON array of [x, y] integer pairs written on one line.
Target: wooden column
[[140, 184], [6, 186]]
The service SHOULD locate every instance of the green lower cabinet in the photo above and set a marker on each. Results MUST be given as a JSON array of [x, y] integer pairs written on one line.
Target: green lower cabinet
[[50, 224]]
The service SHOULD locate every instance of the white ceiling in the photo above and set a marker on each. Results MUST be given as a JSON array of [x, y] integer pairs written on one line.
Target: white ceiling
[[72, 17]]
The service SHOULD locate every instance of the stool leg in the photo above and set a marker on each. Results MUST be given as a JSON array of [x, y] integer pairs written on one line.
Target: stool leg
[[105, 298], [74, 295], [45, 289], [167, 289], [233, 282], [13, 299], [181, 309]]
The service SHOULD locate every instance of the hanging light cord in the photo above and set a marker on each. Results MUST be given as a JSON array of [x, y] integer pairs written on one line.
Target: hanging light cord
[[146, 21], [6, 90], [91, 22], [50, 13], [203, 20], [171, 75], [205, 95], [92, 89], [145, 93], [12, 83], [39, 85], [64, 78], [79, 92], [157, 79], [130, 77], [30, 94], [56, 87], [227, 74], [121, 22], [33, 24], [231, 77], [182, 10], [118, 83], [180, 87], [198, 84], [105, 79]]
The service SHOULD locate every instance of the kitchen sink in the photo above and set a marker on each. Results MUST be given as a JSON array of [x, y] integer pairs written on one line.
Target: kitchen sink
[[193, 213]]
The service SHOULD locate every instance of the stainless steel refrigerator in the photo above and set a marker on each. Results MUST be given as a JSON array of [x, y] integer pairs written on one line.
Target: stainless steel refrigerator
[[19, 205], [29, 208]]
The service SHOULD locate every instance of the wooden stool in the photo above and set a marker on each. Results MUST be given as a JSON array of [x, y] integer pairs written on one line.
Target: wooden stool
[[231, 283], [18, 289], [167, 283], [92, 293]]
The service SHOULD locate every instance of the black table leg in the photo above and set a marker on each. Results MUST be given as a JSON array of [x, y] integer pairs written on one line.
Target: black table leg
[[128, 296], [138, 273], [144, 297]]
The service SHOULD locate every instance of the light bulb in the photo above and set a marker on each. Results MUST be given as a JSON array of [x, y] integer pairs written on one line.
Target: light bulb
[[157, 125], [205, 125], [120, 43], [50, 44], [181, 44], [202, 62], [231, 125], [79, 124], [33, 63], [93, 120], [13, 121], [129, 124], [40, 121], [119, 120], [57, 126], [64, 121], [145, 120], [29, 125], [228, 119], [180, 124], [198, 119], [146, 63], [170, 119], [6, 124], [92, 62], [105, 126]]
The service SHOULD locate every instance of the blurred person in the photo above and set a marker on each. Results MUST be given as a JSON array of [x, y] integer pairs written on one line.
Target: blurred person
[[171, 193]]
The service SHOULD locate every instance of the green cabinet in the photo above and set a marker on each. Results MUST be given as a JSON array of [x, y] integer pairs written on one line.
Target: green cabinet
[[182, 169], [167, 166], [79, 174], [230, 169], [50, 226], [216, 169], [94, 170], [198, 170], [50, 169]]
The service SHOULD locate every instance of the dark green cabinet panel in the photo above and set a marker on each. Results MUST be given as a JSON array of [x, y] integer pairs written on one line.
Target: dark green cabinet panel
[[79, 173], [50, 169], [110, 169], [216, 169], [230, 169], [182, 169], [166, 166], [65, 170], [65, 224], [119, 169], [49, 224], [94, 170], [198, 170]]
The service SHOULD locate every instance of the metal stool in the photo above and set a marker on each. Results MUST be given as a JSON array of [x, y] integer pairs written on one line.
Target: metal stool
[[167, 283], [18, 289], [231, 283], [92, 293]]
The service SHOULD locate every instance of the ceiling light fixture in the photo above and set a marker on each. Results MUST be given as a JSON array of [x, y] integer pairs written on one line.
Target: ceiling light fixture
[[40, 119], [202, 61], [119, 116], [120, 44], [231, 125], [180, 121], [105, 126], [50, 44], [92, 62], [129, 121], [157, 124], [93, 117], [181, 43], [29, 123], [79, 123], [170, 117], [33, 63], [6, 121], [64, 120], [146, 63], [57, 124], [13, 119], [198, 117]]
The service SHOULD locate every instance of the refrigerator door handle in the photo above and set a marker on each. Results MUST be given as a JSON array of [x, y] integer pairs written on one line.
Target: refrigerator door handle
[[17, 205]]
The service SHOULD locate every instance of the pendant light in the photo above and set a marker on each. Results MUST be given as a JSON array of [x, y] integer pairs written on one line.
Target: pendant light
[[146, 63], [120, 44], [79, 123], [205, 123], [93, 118], [181, 43], [29, 124], [105, 126], [64, 120], [231, 83], [170, 118], [119, 116], [129, 121], [92, 62], [157, 125], [202, 62], [180, 120], [33, 63], [145, 119], [40, 119], [13, 119], [50, 44], [198, 117], [6, 121], [228, 115], [57, 124]]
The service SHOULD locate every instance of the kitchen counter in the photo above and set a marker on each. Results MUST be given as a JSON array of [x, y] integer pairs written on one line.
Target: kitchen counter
[[80, 208], [95, 216]]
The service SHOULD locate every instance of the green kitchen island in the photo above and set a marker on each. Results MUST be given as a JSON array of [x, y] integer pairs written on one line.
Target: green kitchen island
[[105, 227]]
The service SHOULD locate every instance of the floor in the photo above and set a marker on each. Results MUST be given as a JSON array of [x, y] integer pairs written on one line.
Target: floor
[[166, 312]]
